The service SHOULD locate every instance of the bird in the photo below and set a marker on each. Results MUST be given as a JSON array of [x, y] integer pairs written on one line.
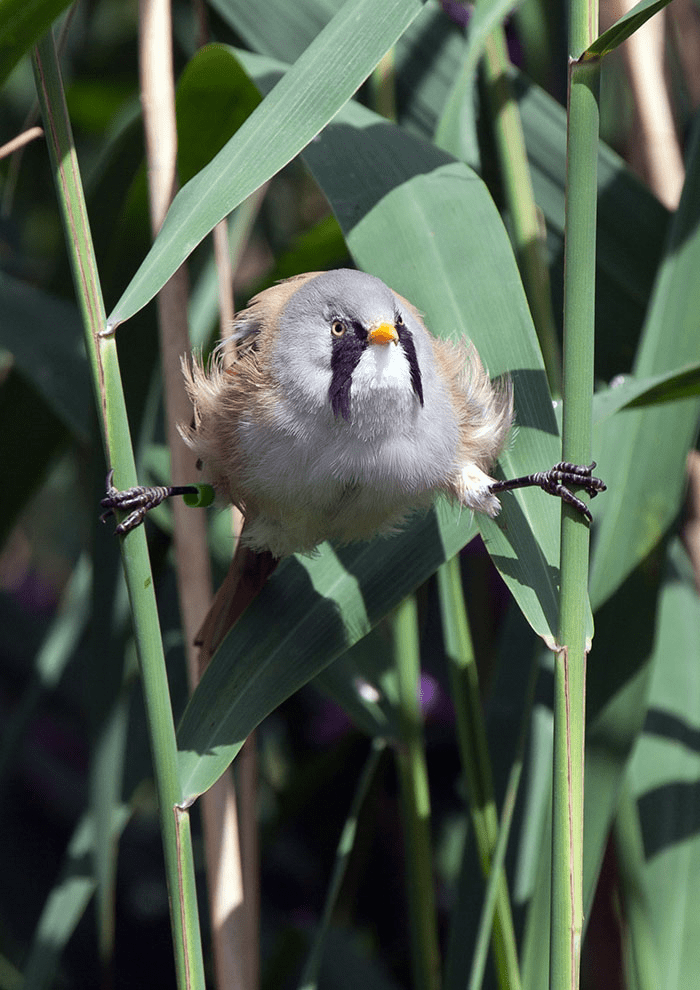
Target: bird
[[332, 413]]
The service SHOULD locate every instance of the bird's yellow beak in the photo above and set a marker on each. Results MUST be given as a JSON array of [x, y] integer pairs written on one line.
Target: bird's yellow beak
[[384, 333]]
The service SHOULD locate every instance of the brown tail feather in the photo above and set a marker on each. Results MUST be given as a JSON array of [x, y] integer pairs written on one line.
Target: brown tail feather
[[244, 580]]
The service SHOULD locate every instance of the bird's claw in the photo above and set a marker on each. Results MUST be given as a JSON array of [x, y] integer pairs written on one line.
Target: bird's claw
[[554, 482], [136, 501], [556, 478]]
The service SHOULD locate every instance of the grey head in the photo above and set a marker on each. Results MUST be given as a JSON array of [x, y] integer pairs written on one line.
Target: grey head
[[344, 335]]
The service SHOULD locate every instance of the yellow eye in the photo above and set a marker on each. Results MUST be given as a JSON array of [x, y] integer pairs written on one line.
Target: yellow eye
[[338, 328], [399, 320]]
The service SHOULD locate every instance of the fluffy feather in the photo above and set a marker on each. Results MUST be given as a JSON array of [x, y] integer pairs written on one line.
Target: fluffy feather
[[266, 432]]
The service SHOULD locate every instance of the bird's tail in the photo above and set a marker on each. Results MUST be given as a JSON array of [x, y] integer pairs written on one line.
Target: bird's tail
[[247, 573]]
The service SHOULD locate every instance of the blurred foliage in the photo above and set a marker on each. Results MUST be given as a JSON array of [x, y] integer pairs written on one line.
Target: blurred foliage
[[68, 685]]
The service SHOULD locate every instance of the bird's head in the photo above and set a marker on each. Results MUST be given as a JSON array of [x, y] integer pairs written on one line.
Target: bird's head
[[347, 341]]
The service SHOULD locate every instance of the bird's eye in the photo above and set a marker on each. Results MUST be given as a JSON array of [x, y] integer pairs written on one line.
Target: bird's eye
[[338, 328], [399, 320]]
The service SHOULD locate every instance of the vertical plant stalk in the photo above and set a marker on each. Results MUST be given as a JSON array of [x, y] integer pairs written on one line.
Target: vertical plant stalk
[[102, 356], [231, 941], [476, 764], [415, 796], [158, 97], [528, 242], [570, 659]]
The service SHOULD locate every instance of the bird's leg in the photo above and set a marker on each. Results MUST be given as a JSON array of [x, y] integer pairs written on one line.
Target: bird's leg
[[554, 481], [137, 501]]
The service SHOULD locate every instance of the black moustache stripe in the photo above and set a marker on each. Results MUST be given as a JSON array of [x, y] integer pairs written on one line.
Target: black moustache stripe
[[347, 351], [409, 349], [345, 356]]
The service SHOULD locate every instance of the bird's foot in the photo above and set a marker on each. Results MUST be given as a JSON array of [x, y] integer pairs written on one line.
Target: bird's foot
[[138, 501], [555, 480]]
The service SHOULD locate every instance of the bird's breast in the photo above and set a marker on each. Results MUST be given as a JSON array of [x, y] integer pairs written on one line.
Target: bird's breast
[[392, 447]]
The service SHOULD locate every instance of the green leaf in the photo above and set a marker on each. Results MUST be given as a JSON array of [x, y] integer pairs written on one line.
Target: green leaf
[[632, 392], [44, 335], [664, 775], [303, 102], [322, 606], [632, 226], [623, 28], [642, 453], [23, 23], [214, 98], [287, 28], [631, 221]]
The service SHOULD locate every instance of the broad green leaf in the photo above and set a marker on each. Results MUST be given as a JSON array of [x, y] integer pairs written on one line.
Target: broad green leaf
[[322, 605], [24, 22], [632, 226], [623, 28], [642, 453], [632, 392], [44, 335], [310, 94], [285, 31], [214, 98], [663, 776], [631, 221]]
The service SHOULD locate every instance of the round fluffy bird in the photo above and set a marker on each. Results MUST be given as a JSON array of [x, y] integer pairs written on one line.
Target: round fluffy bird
[[332, 413]]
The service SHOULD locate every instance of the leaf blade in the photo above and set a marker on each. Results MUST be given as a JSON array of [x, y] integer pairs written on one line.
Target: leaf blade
[[305, 100], [621, 30]]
